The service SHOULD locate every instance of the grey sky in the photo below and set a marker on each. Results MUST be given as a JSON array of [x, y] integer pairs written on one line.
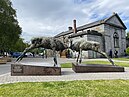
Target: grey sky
[[50, 17]]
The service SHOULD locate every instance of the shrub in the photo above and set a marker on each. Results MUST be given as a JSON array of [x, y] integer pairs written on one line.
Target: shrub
[[127, 51]]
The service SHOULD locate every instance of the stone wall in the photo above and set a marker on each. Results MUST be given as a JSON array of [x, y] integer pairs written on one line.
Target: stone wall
[[109, 40]]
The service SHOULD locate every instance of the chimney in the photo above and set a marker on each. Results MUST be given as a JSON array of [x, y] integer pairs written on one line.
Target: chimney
[[70, 28], [113, 13], [74, 26]]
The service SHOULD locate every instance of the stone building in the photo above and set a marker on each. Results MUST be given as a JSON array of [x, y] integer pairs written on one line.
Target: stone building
[[109, 32]]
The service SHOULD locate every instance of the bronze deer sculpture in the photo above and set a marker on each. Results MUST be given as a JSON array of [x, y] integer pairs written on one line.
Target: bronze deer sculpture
[[47, 43], [82, 44]]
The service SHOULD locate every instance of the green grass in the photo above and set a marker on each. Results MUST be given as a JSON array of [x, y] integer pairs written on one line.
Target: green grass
[[66, 65], [121, 59], [98, 88], [124, 64]]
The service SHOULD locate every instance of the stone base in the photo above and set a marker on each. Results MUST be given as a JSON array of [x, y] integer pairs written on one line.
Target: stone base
[[3, 61], [7, 58], [83, 68], [18, 69]]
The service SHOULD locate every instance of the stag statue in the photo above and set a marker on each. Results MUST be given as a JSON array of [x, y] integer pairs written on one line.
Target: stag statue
[[82, 44], [48, 43]]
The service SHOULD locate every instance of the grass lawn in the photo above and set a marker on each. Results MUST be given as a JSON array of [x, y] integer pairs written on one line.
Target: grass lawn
[[98, 88], [69, 65], [66, 65], [121, 59], [124, 64]]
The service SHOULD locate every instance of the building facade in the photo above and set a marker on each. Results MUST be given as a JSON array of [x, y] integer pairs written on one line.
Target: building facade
[[109, 32]]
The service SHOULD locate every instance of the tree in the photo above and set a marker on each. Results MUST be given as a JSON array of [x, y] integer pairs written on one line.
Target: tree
[[19, 45], [127, 51], [9, 29]]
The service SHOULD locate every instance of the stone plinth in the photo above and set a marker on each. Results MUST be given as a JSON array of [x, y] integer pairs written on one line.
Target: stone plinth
[[3, 61], [24, 69], [83, 68], [7, 58]]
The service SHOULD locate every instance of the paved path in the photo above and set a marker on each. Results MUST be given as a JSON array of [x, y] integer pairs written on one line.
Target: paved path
[[67, 74]]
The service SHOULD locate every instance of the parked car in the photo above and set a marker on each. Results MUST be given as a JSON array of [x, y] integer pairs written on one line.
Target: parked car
[[28, 54], [16, 54]]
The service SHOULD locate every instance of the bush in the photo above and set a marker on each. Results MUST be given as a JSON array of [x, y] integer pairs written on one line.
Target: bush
[[127, 51]]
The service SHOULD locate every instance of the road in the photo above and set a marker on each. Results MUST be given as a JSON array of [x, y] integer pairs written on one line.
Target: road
[[4, 68]]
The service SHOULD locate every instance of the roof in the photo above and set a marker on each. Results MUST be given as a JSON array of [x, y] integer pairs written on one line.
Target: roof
[[103, 21], [88, 32]]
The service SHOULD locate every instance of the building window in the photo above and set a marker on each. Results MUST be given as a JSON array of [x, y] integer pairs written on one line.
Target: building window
[[116, 40]]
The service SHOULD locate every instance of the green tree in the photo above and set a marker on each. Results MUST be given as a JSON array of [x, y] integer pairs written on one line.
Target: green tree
[[37, 50], [127, 51], [9, 29], [19, 45]]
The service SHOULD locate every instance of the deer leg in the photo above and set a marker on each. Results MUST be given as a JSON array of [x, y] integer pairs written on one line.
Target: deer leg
[[54, 57], [78, 57], [24, 52], [104, 54], [80, 61]]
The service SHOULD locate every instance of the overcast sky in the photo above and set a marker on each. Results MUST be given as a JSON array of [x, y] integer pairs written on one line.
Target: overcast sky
[[50, 17]]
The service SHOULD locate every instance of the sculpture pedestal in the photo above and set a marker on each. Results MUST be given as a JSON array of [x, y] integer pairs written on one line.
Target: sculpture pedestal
[[7, 58], [34, 69], [83, 68], [3, 61]]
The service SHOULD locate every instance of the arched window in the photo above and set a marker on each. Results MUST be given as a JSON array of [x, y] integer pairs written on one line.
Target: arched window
[[116, 40]]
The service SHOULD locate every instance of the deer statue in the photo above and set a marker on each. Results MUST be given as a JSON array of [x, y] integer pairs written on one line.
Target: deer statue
[[47, 43], [82, 44]]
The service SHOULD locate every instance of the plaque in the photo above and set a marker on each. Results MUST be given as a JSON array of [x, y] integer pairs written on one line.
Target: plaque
[[17, 69]]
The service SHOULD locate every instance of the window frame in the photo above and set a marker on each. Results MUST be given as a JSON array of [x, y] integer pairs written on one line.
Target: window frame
[[116, 40]]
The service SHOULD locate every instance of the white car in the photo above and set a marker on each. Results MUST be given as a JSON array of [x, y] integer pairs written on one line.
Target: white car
[[29, 54]]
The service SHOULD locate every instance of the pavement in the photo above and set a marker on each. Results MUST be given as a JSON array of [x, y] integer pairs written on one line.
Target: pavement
[[67, 73]]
